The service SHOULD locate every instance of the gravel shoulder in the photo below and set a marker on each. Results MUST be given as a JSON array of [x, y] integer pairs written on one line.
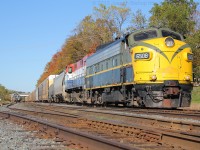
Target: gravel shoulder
[[15, 137]]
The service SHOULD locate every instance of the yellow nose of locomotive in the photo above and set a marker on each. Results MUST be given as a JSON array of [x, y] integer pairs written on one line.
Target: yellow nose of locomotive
[[162, 59], [162, 64]]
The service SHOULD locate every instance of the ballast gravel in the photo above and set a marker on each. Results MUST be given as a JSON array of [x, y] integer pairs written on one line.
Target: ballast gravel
[[14, 137]]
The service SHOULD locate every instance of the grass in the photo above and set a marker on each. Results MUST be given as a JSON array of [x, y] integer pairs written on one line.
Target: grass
[[196, 95]]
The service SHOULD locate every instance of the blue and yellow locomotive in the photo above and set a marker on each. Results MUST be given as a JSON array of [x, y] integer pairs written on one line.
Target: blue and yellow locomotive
[[150, 67]]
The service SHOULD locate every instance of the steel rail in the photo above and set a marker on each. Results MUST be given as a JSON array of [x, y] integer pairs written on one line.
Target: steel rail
[[178, 112], [175, 123], [62, 114], [148, 119], [185, 139], [89, 141]]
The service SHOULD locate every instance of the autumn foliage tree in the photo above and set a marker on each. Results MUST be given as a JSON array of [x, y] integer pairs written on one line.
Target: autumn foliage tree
[[92, 31], [115, 17]]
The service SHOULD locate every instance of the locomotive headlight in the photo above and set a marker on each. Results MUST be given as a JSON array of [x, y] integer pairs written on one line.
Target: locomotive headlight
[[187, 77], [153, 77], [169, 42]]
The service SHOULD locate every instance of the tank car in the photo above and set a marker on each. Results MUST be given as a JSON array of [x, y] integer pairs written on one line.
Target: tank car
[[58, 92]]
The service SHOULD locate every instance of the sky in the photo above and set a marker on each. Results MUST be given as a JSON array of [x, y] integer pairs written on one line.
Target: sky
[[31, 31]]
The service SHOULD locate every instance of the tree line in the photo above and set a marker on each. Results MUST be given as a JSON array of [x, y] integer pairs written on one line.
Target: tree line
[[4, 93], [108, 22]]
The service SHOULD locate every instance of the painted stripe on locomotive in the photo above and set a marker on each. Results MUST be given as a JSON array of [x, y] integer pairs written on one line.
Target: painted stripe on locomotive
[[160, 51]]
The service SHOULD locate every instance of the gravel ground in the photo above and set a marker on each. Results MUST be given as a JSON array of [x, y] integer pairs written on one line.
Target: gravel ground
[[14, 137]]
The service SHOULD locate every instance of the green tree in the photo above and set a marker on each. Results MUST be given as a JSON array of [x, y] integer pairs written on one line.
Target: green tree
[[138, 21], [196, 18], [120, 14], [93, 30], [194, 42], [115, 17], [174, 14], [4, 93], [104, 13]]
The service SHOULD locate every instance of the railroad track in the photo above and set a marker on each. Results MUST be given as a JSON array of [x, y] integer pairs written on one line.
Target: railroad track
[[72, 138], [179, 111], [166, 122], [186, 113], [132, 135]]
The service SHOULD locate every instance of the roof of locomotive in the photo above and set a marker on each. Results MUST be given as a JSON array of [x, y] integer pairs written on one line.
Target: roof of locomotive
[[105, 51], [109, 44]]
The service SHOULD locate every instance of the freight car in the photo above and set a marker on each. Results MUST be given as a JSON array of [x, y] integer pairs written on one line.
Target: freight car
[[45, 89], [31, 96], [150, 67], [58, 88]]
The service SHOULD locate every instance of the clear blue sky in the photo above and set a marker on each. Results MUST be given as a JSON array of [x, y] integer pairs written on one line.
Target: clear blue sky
[[31, 31]]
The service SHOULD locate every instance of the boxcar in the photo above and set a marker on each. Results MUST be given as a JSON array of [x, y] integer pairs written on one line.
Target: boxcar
[[43, 88]]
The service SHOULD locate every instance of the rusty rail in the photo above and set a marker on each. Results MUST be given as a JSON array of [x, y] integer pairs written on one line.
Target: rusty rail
[[149, 120], [183, 139], [166, 123], [191, 114], [84, 140]]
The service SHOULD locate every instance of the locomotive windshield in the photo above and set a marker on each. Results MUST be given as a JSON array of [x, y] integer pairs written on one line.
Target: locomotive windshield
[[145, 35], [166, 33]]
